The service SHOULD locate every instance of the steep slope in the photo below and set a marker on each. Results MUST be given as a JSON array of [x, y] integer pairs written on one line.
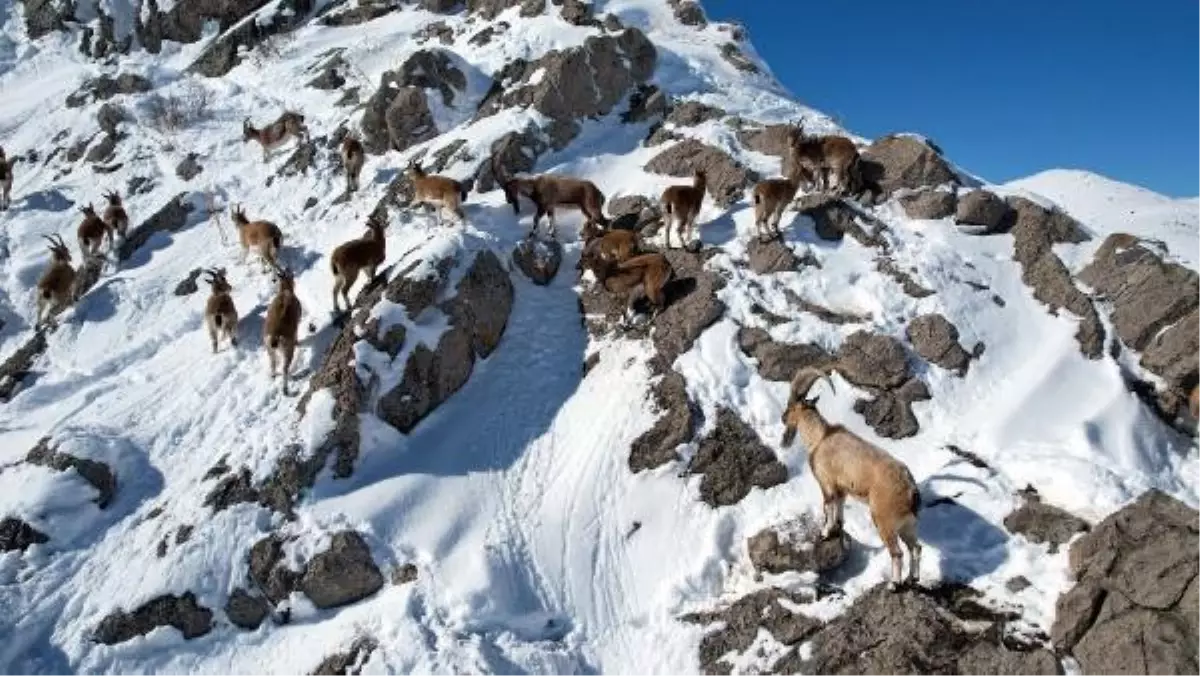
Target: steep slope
[[485, 474]]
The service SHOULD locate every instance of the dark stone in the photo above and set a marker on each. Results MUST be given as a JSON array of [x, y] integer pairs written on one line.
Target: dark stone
[[189, 168], [538, 259], [796, 546], [16, 535], [929, 204], [1040, 522], [245, 610], [896, 162], [95, 473], [780, 361], [349, 662], [733, 461], [341, 575], [771, 257], [873, 360], [675, 425], [740, 623], [936, 340], [734, 55], [181, 612], [890, 412], [728, 179], [105, 87], [982, 208], [172, 217]]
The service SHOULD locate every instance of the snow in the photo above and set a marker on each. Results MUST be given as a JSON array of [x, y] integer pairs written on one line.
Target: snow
[[514, 498]]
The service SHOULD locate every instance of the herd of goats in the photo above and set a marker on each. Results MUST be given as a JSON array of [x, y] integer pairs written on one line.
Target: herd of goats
[[843, 463]]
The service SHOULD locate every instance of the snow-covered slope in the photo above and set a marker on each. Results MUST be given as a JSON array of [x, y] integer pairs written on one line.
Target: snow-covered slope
[[536, 548]]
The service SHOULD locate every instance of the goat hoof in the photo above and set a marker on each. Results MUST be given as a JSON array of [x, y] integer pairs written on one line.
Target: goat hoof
[[893, 587]]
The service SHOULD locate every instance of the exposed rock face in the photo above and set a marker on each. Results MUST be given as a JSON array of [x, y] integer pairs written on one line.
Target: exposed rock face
[[19, 365], [173, 216], [245, 610], [351, 661], [341, 575], [105, 87], [982, 208], [479, 312], [181, 612], [890, 412], [936, 340], [225, 53], [109, 116], [1035, 230], [733, 461], [692, 306], [189, 167], [47, 16], [738, 59], [770, 609], [489, 9], [397, 115], [513, 153], [538, 259], [647, 102], [916, 632], [873, 360], [688, 13], [692, 113], [675, 425], [769, 257], [929, 204], [16, 535], [728, 180], [95, 473], [1133, 609], [796, 546], [834, 218], [780, 361], [895, 162], [1040, 522]]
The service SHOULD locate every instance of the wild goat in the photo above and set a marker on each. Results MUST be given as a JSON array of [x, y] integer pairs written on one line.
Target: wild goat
[[643, 275], [56, 288], [115, 218], [274, 135], [681, 205], [6, 181], [442, 193], [91, 232], [263, 236], [612, 246], [771, 197], [353, 157], [366, 253], [220, 315], [283, 324], [548, 192], [826, 158], [844, 464]]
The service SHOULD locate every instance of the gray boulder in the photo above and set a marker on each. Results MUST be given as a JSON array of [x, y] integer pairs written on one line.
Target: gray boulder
[[342, 574], [930, 205], [397, 115], [728, 179], [796, 545], [95, 473], [777, 361], [737, 627], [738, 59], [349, 662], [105, 87], [733, 461], [245, 610], [1051, 225], [890, 412], [982, 208], [647, 102], [772, 256], [46, 16], [676, 424], [692, 113], [181, 612], [515, 152], [895, 162], [171, 217], [189, 168], [1040, 522], [538, 259], [873, 360], [936, 340], [17, 535], [688, 13], [225, 52]]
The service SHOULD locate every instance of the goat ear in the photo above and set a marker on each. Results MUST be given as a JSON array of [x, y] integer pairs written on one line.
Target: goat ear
[[812, 403]]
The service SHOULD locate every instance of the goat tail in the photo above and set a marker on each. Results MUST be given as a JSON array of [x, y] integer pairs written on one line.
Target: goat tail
[[273, 342], [218, 320], [757, 199], [334, 267], [277, 240], [915, 502]]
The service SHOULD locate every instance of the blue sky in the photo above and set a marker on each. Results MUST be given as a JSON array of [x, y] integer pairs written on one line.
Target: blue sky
[[1005, 88]]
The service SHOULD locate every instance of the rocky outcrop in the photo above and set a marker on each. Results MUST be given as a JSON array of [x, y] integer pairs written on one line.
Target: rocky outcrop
[[246, 610], [771, 139], [171, 217], [936, 340], [349, 662], [343, 574], [676, 425], [772, 256], [688, 13], [181, 612], [17, 535], [738, 59], [95, 473], [834, 218], [1036, 229], [929, 204], [983, 209], [490, 9], [879, 364], [796, 546], [104, 87], [397, 116], [780, 361], [896, 162], [513, 153], [226, 52], [1133, 609], [46, 16], [738, 626], [360, 12], [692, 113], [890, 412], [647, 102], [1040, 522], [19, 365], [189, 168], [728, 179], [539, 259], [733, 461]]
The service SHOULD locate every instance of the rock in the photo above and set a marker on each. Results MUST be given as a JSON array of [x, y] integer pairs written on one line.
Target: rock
[[908, 285], [688, 13], [797, 546], [733, 54], [982, 208], [19, 365], [95, 473], [181, 612], [225, 52], [513, 153], [771, 257], [172, 217], [896, 162], [577, 12], [273, 580], [890, 412], [490, 9], [16, 535], [772, 139], [780, 361], [1171, 356], [676, 425], [936, 340], [1133, 608], [189, 168], [105, 87], [46, 16], [538, 259], [771, 609], [1017, 584], [478, 315], [636, 211], [245, 610], [996, 658], [102, 151], [109, 116], [873, 360], [833, 218], [341, 575], [691, 307], [351, 661], [1040, 522], [404, 574], [302, 159], [1147, 293], [733, 461], [360, 13], [929, 205], [728, 179], [397, 115], [692, 113], [647, 102], [1052, 226]]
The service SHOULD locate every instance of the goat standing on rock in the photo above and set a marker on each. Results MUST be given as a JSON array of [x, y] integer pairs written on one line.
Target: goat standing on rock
[[844, 464], [827, 158], [91, 232], [274, 135]]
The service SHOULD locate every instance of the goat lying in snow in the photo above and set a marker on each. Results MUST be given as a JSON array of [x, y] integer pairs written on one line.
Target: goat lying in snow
[[641, 275], [844, 464]]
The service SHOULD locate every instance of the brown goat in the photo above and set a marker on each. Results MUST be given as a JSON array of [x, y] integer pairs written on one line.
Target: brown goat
[[353, 157], [263, 236], [442, 193], [826, 158], [548, 192], [844, 464], [91, 232], [281, 329], [366, 253], [681, 205], [56, 288], [220, 315], [1194, 402], [612, 246], [115, 218], [274, 135], [771, 197], [6, 181], [645, 275]]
